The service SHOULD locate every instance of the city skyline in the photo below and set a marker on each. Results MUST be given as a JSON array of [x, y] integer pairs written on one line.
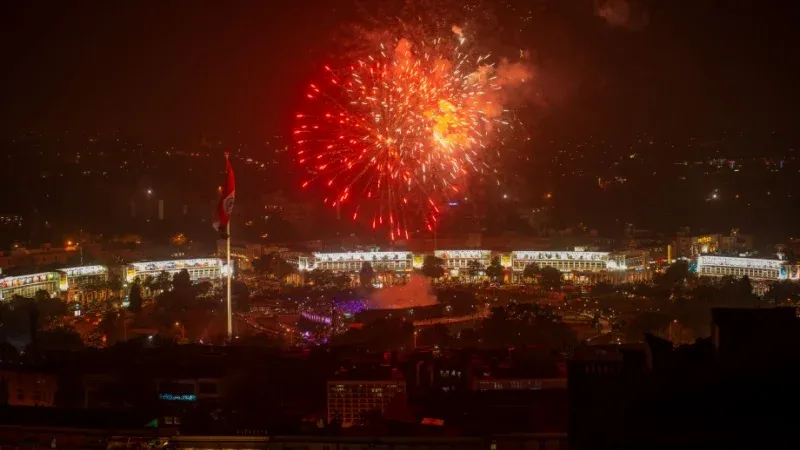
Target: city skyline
[[363, 224]]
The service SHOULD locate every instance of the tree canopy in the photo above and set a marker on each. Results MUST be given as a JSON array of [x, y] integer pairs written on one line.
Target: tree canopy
[[433, 267], [531, 271], [495, 271], [550, 277], [366, 276]]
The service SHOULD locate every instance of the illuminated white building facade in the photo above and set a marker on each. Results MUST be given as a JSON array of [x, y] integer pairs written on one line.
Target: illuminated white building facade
[[613, 267], [756, 269], [457, 261], [74, 281], [200, 269], [28, 285], [82, 276], [563, 261], [628, 260], [588, 267], [351, 262]]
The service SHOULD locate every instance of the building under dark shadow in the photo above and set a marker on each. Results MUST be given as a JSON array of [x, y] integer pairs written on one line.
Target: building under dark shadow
[[736, 389]]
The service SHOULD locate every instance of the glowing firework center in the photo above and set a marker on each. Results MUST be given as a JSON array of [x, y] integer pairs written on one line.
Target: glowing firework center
[[397, 131], [757, 269], [199, 269]]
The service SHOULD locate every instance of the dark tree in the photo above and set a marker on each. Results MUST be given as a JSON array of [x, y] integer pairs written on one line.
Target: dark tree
[[433, 267], [203, 288], [162, 282], [646, 323], [149, 283], [60, 339], [41, 295], [114, 283], [50, 307], [182, 281], [321, 277], [738, 293], [531, 271], [677, 274], [33, 324], [275, 265], [366, 276], [240, 296], [526, 325], [341, 281], [551, 277], [135, 298], [495, 270], [474, 268], [783, 293]]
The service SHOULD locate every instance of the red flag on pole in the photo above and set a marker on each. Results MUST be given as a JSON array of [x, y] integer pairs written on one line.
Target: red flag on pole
[[226, 200]]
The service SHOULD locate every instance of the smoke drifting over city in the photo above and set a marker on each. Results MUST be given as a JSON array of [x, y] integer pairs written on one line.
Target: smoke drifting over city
[[629, 14], [416, 292]]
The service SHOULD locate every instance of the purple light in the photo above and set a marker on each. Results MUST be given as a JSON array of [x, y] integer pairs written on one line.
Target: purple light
[[316, 318]]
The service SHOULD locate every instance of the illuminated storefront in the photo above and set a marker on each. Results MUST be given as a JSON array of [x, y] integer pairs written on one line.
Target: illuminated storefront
[[586, 267], [457, 261], [82, 276], [351, 262], [630, 260], [199, 269], [28, 285], [84, 282], [756, 269], [563, 261]]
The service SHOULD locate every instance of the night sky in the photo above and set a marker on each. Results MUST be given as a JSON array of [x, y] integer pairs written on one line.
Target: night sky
[[180, 69]]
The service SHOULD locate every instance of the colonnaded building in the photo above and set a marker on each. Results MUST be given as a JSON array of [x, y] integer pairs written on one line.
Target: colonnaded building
[[86, 283], [579, 266], [76, 284]]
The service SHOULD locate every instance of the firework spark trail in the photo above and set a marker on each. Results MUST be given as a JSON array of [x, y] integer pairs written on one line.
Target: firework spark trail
[[397, 132]]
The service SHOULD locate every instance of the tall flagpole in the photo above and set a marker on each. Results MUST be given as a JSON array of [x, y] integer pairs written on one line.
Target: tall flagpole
[[230, 319], [230, 271]]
